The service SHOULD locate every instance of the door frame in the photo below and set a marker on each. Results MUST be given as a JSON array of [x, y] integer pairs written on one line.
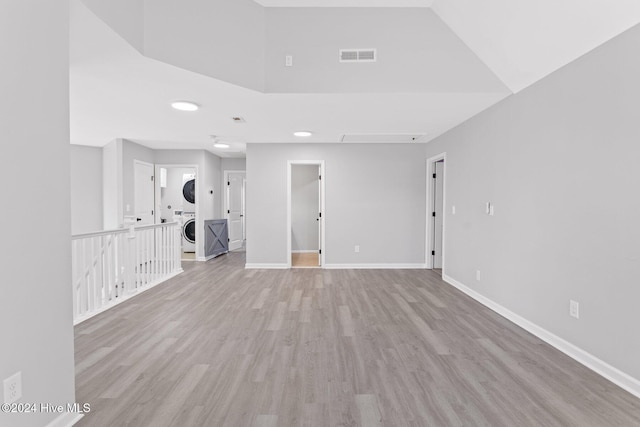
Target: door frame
[[322, 218], [199, 216], [225, 206], [431, 161]]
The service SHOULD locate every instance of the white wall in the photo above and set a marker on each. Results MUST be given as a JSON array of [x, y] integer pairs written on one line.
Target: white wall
[[416, 52], [374, 198], [223, 38], [35, 307], [86, 189], [233, 164], [560, 162], [304, 208], [522, 41], [126, 17], [113, 209]]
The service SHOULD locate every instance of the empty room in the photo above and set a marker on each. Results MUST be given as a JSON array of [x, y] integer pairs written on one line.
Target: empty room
[[320, 213]]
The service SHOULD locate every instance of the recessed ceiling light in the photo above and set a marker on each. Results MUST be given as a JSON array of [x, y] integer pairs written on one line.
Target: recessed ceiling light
[[185, 105], [302, 133], [221, 145]]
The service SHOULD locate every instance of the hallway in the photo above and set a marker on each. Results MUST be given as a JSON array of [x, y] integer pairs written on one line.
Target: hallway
[[223, 346]]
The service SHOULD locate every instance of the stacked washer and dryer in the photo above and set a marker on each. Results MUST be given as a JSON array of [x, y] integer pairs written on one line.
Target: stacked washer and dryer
[[189, 213]]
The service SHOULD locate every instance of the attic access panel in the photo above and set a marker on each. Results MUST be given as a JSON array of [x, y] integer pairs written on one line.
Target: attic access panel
[[382, 138]]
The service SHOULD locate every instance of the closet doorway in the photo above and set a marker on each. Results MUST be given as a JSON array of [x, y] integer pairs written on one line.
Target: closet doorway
[[436, 191], [305, 241]]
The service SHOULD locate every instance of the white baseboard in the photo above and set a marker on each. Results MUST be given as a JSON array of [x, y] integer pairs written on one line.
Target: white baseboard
[[123, 298], [66, 419], [616, 376], [374, 266], [251, 266], [305, 252]]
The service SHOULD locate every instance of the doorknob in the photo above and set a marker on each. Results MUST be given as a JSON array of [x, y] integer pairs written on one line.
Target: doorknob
[[138, 219]]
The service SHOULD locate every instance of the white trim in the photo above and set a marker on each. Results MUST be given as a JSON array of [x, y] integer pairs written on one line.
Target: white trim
[[319, 163], [124, 298], [428, 260], [312, 251], [375, 266], [142, 162], [258, 266], [66, 419], [616, 376]]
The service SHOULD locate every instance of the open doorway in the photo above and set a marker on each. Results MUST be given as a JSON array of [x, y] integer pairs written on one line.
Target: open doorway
[[235, 208], [176, 193], [305, 214], [436, 176]]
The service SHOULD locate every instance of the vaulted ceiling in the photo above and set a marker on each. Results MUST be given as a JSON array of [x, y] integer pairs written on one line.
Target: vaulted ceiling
[[439, 63]]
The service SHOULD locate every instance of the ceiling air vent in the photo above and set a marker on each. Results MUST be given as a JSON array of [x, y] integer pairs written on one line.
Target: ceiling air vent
[[358, 55]]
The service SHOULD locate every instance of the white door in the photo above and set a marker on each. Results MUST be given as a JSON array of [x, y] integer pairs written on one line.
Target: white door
[[438, 211], [143, 192], [235, 209], [319, 216]]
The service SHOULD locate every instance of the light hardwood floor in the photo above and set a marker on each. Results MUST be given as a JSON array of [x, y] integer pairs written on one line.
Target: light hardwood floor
[[305, 260], [223, 346]]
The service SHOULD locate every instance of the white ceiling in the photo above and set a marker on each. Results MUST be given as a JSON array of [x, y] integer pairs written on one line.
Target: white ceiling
[[523, 41], [116, 92], [345, 3]]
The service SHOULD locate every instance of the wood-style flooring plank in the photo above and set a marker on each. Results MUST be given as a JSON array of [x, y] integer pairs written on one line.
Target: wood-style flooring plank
[[223, 346]]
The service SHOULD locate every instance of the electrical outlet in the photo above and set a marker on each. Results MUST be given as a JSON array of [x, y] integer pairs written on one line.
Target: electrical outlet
[[574, 309], [478, 275], [13, 388], [288, 61], [357, 249]]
